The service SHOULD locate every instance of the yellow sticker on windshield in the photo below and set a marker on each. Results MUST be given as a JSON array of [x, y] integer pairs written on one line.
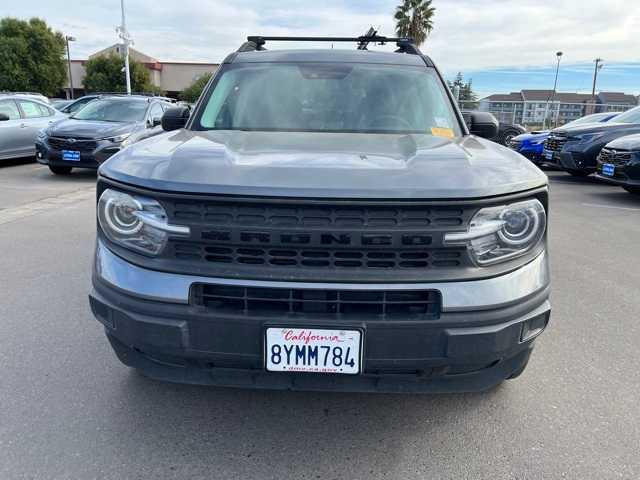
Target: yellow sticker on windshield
[[442, 132]]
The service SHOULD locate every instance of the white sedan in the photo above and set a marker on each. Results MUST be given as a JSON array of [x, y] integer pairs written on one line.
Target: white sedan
[[21, 117]]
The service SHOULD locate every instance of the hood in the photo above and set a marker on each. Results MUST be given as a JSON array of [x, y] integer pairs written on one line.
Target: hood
[[594, 128], [329, 165], [533, 136], [630, 142], [70, 127]]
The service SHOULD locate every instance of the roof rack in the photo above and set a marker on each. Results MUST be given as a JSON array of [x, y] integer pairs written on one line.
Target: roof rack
[[405, 44]]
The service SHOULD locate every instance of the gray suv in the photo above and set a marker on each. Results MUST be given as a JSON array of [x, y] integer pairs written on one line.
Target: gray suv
[[98, 130], [323, 220]]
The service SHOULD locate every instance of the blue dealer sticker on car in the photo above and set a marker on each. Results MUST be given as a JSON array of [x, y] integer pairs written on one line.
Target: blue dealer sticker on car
[[71, 155], [608, 169]]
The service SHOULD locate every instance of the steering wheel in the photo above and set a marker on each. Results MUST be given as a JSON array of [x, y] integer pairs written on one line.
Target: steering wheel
[[382, 120]]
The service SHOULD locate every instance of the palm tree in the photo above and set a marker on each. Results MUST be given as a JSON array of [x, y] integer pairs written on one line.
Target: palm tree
[[414, 19]]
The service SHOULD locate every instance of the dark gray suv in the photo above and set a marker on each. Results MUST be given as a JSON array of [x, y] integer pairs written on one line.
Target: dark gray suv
[[323, 220], [99, 129]]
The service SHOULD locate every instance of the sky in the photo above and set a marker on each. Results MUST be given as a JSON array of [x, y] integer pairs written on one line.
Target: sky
[[502, 45]]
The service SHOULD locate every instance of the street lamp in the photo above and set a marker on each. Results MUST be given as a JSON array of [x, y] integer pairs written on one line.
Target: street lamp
[[126, 41], [68, 39], [553, 95], [599, 64]]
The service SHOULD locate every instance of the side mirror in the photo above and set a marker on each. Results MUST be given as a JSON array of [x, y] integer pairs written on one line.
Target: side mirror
[[4, 117], [483, 124], [175, 118]]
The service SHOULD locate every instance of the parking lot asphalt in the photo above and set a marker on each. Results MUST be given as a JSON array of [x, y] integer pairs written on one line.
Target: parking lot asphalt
[[70, 410]]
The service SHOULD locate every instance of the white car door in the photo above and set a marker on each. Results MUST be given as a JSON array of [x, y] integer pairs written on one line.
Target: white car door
[[35, 117], [10, 130]]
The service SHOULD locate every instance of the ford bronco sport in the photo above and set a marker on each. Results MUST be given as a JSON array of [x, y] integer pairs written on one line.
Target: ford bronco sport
[[323, 220]]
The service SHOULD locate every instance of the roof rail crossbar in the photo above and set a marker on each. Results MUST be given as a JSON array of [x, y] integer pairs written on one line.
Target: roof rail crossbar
[[405, 44]]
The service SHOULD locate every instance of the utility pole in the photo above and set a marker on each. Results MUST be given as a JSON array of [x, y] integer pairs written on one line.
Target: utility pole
[[69, 39], [598, 67], [553, 95], [126, 41]]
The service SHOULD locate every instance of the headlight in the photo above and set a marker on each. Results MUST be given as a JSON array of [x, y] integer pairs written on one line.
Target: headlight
[[118, 138], [136, 222], [498, 234], [42, 134]]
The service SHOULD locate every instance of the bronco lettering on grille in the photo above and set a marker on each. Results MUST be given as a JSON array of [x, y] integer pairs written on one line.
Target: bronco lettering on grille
[[340, 239]]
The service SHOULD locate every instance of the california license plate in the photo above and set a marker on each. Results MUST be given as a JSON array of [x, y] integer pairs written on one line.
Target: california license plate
[[71, 155], [608, 169], [313, 350], [548, 155]]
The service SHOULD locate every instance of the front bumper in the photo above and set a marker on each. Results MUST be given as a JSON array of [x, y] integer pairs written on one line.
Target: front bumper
[[574, 161], [531, 151], [484, 334], [47, 155], [627, 175]]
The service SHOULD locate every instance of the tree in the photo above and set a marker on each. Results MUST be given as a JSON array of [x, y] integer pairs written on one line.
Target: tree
[[193, 91], [106, 74], [32, 57], [414, 19], [466, 95]]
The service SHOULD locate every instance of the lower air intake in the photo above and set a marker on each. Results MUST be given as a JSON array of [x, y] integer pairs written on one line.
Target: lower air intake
[[398, 304]]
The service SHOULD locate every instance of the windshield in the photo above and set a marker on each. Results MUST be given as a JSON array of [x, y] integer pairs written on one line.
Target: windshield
[[329, 97], [595, 118], [630, 116], [110, 110]]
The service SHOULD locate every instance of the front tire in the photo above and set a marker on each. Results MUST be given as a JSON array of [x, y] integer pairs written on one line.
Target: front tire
[[60, 170], [634, 190], [507, 136]]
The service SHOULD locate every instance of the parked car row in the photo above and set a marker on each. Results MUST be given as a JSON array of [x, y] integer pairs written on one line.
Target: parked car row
[[81, 133], [606, 144], [531, 145]]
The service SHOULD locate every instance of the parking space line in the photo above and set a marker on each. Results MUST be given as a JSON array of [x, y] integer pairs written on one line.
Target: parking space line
[[596, 205], [43, 205]]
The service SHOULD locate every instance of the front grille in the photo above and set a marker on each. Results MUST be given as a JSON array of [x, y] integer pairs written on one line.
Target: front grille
[[554, 143], [319, 258], [291, 216], [404, 304], [80, 145], [321, 236], [615, 157]]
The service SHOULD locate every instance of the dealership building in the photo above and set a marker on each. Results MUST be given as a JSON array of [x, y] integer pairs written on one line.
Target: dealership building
[[171, 77]]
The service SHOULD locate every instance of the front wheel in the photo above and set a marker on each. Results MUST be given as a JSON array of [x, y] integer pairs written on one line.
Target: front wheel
[[578, 173], [507, 136], [634, 190], [60, 170]]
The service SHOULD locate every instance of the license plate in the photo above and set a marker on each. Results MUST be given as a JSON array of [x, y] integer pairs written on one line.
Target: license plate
[[71, 155], [312, 350], [548, 155], [608, 169]]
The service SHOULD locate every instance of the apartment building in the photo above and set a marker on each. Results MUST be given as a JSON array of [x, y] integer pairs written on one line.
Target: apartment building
[[531, 106]]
